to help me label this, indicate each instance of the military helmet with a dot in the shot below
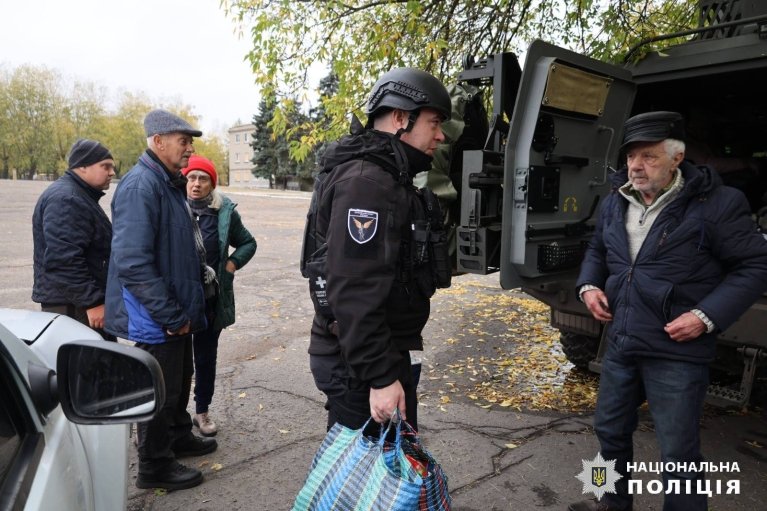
(408, 89)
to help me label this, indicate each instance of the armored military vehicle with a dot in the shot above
(529, 188)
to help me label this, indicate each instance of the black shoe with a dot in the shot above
(174, 476)
(591, 505)
(194, 446)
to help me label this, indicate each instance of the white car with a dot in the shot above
(67, 398)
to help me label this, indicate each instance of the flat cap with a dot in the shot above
(160, 122)
(653, 127)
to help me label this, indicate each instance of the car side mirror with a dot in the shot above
(102, 382)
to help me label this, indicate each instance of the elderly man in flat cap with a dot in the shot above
(675, 259)
(72, 237)
(155, 292)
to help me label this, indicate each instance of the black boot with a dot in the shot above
(192, 445)
(172, 476)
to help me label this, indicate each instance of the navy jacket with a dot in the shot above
(154, 280)
(703, 251)
(72, 236)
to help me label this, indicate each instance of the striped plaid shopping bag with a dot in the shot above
(435, 495)
(351, 472)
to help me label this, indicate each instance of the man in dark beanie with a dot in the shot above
(86, 152)
(155, 292)
(72, 237)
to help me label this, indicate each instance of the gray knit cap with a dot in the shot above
(160, 122)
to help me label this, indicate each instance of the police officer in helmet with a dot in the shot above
(375, 251)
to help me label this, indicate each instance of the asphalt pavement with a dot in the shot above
(271, 416)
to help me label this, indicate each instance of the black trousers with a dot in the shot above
(172, 423)
(348, 399)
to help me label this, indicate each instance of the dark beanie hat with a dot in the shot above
(86, 152)
(653, 127)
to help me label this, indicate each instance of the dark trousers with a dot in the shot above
(76, 313)
(348, 399)
(675, 391)
(172, 423)
(205, 353)
(416, 371)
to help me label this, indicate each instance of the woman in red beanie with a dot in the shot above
(215, 213)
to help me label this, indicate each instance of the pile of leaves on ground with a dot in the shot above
(502, 352)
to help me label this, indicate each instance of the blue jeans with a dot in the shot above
(205, 354)
(675, 391)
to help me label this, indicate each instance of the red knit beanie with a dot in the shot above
(203, 164)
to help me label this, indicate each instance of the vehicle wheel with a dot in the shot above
(579, 349)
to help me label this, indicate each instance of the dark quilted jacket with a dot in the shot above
(703, 251)
(72, 237)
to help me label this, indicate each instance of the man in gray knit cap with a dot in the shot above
(155, 293)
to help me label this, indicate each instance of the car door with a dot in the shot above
(102, 447)
(564, 136)
(67, 398)
(42, 462)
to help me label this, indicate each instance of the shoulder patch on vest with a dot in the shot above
(362, 224)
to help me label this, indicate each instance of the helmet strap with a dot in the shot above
(411, 118)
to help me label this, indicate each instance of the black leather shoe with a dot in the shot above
(194, 446)
(174, 476)
(591, 505)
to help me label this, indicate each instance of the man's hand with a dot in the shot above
(596, 301)
(384, 401)
(685, 328)
(96, 316)
(181, 331)
(230, 266)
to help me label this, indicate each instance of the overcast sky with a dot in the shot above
(182, 50)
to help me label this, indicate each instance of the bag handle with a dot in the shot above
(395, 419)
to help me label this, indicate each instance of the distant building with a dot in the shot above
(240, 154)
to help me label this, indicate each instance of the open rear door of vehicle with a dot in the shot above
(564, 137)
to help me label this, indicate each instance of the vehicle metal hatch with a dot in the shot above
(564, 137)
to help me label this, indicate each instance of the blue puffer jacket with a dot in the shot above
(703, 251)
(154, 281)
